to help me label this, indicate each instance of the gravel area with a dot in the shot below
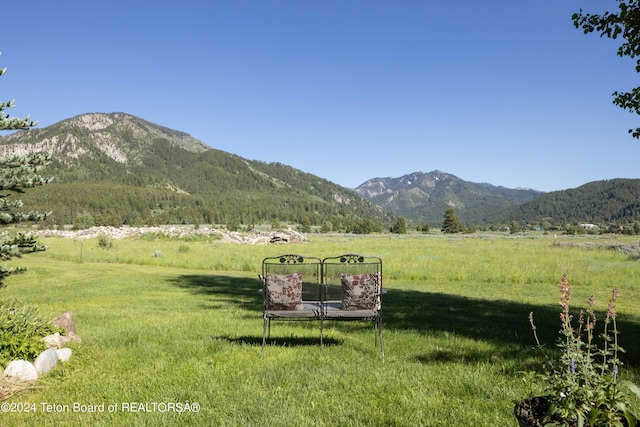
(225, 236)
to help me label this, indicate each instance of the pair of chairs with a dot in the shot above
(345, 287)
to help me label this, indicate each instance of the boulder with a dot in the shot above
(64, 354)
(58, 341)
(55, 340)
(65, 321)
(47, 360)
(22, 370)
(73, 337)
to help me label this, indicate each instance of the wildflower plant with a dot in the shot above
(583, 384)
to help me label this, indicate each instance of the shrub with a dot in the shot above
(21, 331)
(583, 385)
(82, 222)
(104, 241)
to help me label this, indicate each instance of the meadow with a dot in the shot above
(172, 328)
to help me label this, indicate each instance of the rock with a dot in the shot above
(64, 354)
(65, 321)
(73, 337)
(58, 341)
(226, 236)
(22, 370)
(54, 340)
(47, 360)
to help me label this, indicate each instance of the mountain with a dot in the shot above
(424, 197)
(114, 169)
(119, 136)
(119, 169)
(615, 201)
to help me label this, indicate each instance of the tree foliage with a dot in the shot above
(400, 227)
(169, 185)
(625, 24)
(17, 174)
(452, 223)
(615, 201)
(363, 226)
(12, 123)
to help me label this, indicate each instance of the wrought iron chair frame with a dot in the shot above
(322, 302)
(311, 290)
(332, 307)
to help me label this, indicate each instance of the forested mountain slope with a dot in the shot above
(116, 169)
(599, 202)
(119, 169)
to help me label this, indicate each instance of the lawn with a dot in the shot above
(171, 331)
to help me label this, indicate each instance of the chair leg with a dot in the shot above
(264, 333)
(321, 344)
(379, 321)
(375, 331)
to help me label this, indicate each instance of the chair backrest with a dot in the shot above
(341, 273)
(293, 267)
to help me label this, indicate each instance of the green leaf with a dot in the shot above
(631, 386)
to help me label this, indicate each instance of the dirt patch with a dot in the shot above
(9, 387)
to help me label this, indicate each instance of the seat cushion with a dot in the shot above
(359, 291)
(284, 292)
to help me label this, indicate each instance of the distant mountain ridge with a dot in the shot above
(613, 201)
(424, 197)
(119, 169)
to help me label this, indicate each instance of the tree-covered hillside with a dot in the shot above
(117, 169)
(599, 202)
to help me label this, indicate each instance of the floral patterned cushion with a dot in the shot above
(359, 291)
(284, 292)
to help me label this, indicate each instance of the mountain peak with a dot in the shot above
(119, 136)
(424, 197)
(91, 121)
(121, 169)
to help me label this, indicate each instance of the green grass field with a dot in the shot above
(175, 339)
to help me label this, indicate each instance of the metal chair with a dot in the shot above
(352, 290)
(291, 289)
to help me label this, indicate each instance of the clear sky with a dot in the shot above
(504, 92)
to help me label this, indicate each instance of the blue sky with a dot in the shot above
(504, 92)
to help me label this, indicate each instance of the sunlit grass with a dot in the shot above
(175, 321)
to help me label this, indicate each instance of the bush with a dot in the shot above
(21, 332)
(104, 241)
(363, 226)
(82, 222)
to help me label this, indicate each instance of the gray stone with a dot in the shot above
(47, 360)
(22, 370)
(64, 354)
